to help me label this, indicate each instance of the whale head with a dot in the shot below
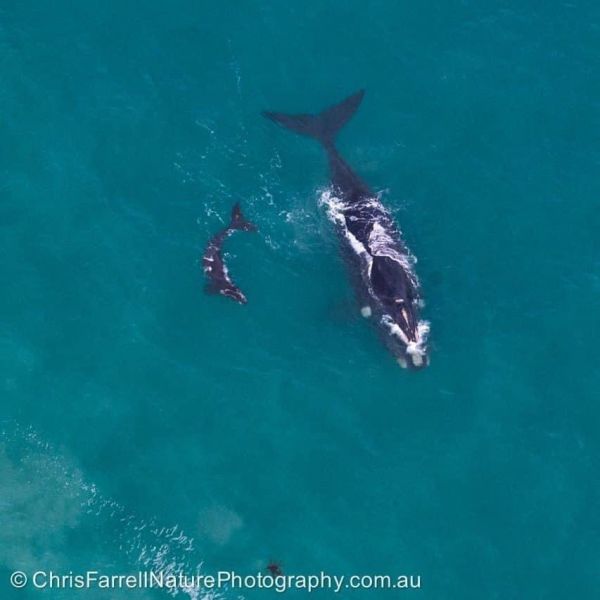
(395, 291)
(406, 336)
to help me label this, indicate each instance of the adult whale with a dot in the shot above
(385, 281)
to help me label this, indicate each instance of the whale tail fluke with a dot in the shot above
(324, 126)
(238, 221)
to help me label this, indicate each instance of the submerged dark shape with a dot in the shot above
(274, 568)
(386, 284)
(215, 269)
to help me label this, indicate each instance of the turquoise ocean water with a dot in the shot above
(282, 430)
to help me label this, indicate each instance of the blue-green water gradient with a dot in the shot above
(282, 430)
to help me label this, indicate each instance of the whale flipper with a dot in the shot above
(324, 126)
(238, 221)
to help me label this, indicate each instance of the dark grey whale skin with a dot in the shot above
(214, 268)
(389, 288)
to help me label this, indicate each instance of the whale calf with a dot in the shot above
(381, 265)
(213, 265)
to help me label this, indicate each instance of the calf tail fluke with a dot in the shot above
(323, 126)
(238, 221)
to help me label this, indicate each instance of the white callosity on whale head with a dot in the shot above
(414, 354)
(394, 328)
(418, 349)
(366, 311)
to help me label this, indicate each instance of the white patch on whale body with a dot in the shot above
(226, 273)
(357, 246)
(382, 243)
(335, 211)
(366, 311)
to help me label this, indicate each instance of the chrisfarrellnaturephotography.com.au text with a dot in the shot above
(222, 580)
